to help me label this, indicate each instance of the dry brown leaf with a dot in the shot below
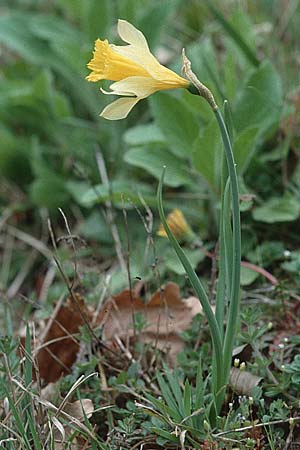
(56, 359)
(242, 382)
(167, 315)
(78, 410)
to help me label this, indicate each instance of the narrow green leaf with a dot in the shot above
(187, 399)
(166, 392)
(165, 410)
(28, 362)
(234, 34)
(165, 434)
(174, 383)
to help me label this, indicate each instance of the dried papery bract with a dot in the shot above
(203, 91)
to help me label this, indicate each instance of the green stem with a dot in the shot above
(200, 291)
(232, 317)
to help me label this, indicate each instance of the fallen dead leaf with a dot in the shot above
(62, 433)
(242, 382)
(167, 315)
(56, 358)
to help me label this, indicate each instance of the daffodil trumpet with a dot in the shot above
(135, 71)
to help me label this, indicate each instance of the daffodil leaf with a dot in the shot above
(152, 160)
(177, 122)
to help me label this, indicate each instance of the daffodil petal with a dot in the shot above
(115, 93)
(119, 109)
(128, 33)
(142, 57)
(145, 59)
(138, 86)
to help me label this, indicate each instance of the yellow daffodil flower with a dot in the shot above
(136, 72)
(178, 226)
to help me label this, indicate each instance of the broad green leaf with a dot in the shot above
(260, 101)
(244, 147)
(207, 154)
(153, 159)
(144, 134)
(176, 121)
(14, 158)
(248, 276)
(95, 228)
(49, 192)
(278, 209)
(173, 263)
(23, 34)
(122, 193)
(293, 265)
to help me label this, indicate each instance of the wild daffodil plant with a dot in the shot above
(136, 74)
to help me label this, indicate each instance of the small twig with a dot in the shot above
(257, 425)
(289, 437)
(22, 274)
(48, 280)
(73, 245)
(101, 299)
(109, 212)
(128, 269)
(6, 259)
(51, 319)
(149, 229)
(30, 240)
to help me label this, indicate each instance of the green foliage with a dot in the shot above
(294, 369)
(180, 407)
(278, 209)
(177, 122)
(152, 159)
(50, 134)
